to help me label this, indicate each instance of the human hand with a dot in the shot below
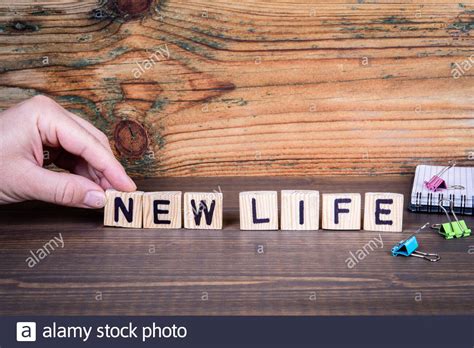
(77, 146)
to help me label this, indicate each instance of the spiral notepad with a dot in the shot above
(426, 201)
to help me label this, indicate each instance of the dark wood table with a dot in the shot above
(113, 271)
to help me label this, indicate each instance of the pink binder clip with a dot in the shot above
(436, 182)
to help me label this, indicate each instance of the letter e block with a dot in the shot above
(258, 210)
(341, 211)
(162, 209)
(123, 209)
(203, 210)
(383, 212)
(299, 210)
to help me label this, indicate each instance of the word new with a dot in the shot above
(299, 210)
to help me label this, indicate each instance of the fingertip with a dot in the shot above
(125, 184)
(94, 199)
(128, 184)
(131, 184)
(118, 178)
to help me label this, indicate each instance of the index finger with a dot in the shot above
(59, 130)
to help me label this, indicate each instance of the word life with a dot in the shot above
(299, 210)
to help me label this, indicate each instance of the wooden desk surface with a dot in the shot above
(109, 271)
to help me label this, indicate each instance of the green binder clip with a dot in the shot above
(451, 229)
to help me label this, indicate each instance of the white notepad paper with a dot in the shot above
(424, 200)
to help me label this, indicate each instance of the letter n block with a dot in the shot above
(258, 210)
(123, 209)
(383, 212)
(162, 209)
(299, 210)
(341, 211)
(203, 210)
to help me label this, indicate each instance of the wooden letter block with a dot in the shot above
(258, 210)
(299, 210)
(203, 210)
(341, 211)
(123, 209)
(383, 212)
(162, 209)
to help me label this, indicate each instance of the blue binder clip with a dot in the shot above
(405, 247)
(409, 246)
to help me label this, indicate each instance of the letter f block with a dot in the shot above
(341, 211)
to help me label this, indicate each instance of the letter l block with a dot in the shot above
(258, 210)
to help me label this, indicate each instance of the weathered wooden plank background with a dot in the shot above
(253, 87)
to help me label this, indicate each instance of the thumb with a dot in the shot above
(65, 189)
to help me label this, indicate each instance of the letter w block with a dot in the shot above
(203, 210)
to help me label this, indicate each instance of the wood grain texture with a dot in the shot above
(342, 215)
(255, 87)
(295, 202)
(389, 211)
(168, 272)
(168, 212)
(129, 203)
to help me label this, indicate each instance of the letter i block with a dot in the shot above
(299, 210)
(123, 209)
(341, 211)
(258, 210)
(383, 212)
(203, 210)
(162, 209)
